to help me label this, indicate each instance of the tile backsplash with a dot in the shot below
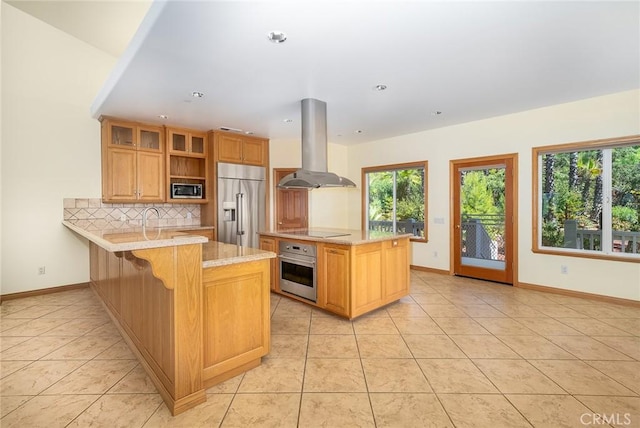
(93, 214)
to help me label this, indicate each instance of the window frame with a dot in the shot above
(537, 153)
(395, 167)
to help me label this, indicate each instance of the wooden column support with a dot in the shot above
(180, 270)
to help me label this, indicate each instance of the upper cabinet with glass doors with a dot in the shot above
(132, 162)
(128, 135)
(185, 142)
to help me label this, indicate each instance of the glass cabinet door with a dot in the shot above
(178, 142)
(122, 136)
(149, 139)
(197, 144)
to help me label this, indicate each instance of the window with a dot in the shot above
(395, 198)
(587, 199)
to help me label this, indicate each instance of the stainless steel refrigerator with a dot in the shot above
(241, 203)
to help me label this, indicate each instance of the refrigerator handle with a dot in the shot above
(240, 215)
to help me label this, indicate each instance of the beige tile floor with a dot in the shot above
(457, 352)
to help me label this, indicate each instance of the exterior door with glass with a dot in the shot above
(484, 223)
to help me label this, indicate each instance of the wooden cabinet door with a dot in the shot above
(150, 177)
(198, 144)
(253, 152)
(335, 278)
(178, 141)
(229, 149)
(269, 244)
(236, 308)
(187, 142)
(367, 278)
(121, 134)
(150, 138)
(120, 175)
(395, 268)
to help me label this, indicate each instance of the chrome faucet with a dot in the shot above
(144, 215)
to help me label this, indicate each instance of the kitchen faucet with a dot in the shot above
(144, 215)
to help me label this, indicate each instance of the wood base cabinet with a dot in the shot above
(236, 318)
(334, 277)
(269, 244)
(190, 327)
(353, 280)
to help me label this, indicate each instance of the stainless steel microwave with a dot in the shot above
(186, 191)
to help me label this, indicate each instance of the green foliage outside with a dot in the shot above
(582, 200)
(482, 196)
(409, 195)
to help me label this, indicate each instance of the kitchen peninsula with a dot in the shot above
(350, 272)
(194, 312)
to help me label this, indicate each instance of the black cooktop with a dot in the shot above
(315, 233)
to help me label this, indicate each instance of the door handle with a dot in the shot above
(457, 226)
(239, 217)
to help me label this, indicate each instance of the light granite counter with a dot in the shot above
(114, 240)
(219, 254)
(213, 253)
(337, 236)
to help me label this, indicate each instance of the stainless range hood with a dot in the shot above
(314, 151)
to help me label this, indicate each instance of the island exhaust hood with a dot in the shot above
(314, 151)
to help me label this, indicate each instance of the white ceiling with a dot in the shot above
(469, 60)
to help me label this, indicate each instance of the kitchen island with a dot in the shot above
(194, 312)
(353, 272)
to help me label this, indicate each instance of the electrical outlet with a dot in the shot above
(564, 269)
(435, 254)
(41, 270)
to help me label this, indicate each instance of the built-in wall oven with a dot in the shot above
(298, 269)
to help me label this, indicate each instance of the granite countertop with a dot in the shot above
(337, 236)
(213, 253)
(219, 254)
(136, 239)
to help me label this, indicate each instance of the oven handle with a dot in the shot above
(298, 261)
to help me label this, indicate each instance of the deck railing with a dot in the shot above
(416, 228)
(483, 236)
(587, 239)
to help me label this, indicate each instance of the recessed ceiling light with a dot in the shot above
(359, 131)
(276, 37)
(163, 116)
(436, 113)
(196, 94)
(380, 88)
(288, 120)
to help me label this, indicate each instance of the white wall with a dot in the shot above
(602, 117)
(328, 207)
(50, 149)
